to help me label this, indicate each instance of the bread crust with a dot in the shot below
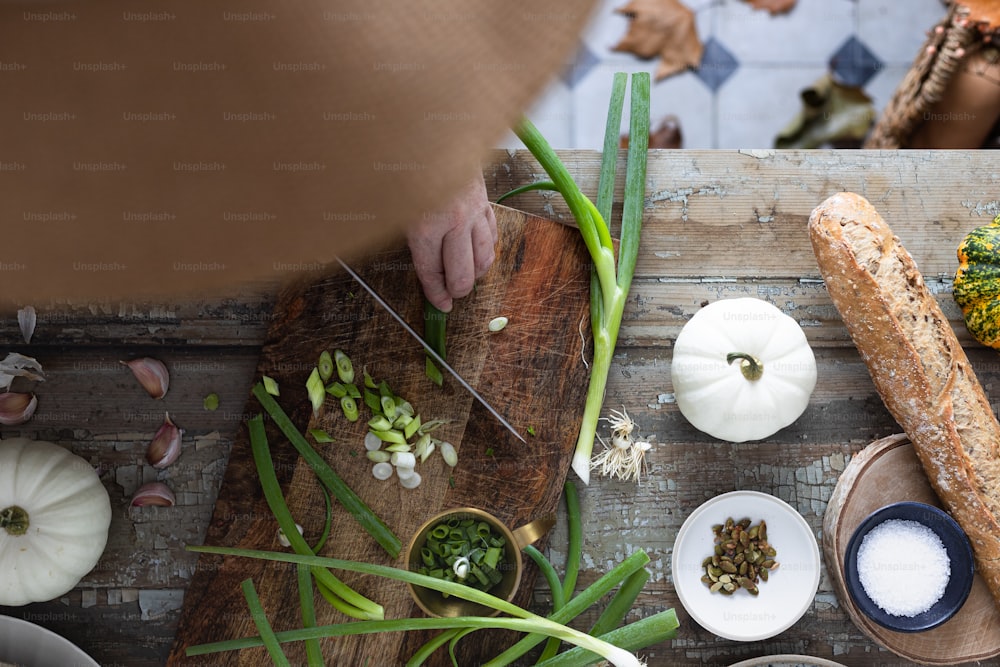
(917, 364)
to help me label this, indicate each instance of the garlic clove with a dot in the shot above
(152, 375)
(156, 494)
(26, 322)
(283, 539)
(166, 444)
(16, 408)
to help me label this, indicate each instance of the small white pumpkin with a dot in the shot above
(54, 520)
(742, 370)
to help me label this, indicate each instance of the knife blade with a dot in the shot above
(428, 348)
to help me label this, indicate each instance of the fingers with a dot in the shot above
(427, 262)
(451, 250)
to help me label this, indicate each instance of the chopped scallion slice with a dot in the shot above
(345, 369)
(325, 365)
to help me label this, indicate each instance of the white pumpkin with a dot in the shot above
(742, 370)
(54, 520)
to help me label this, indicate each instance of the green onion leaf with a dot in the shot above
(267, 636)
(343, 493)
(320, 436)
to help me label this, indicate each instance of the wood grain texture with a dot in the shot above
(532, 372)
(881, 474)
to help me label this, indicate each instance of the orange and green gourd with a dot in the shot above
(977, 283)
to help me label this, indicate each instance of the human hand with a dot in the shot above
(454, 247)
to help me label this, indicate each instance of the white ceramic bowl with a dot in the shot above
(783, 598)
(24, 643)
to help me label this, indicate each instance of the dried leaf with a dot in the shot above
(832, 114)
(773, 6)
(666, 135)
(17, 365)
(664, 29)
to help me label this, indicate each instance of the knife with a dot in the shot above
(428, 348)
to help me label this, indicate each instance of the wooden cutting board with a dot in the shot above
(532, 372)
(885, 472)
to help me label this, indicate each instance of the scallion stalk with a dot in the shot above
(576, 606)
(614, 614)
(555, 586)
(433, 644)
(635, 636)
(523, 620)
(574, 530)
(435, 330)
(614, 282)
(341, 491)
(314, 652)
(357, 605)
(267, 636)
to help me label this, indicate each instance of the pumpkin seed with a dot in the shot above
(741, 557)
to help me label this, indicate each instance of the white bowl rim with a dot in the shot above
(81, 659)
(814, 557)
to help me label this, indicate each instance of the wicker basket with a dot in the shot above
(951, 48)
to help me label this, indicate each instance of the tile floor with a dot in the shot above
(747, 87)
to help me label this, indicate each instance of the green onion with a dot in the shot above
(614, 282)
(369, 381)
(364, 608)
(614, 614)
(352, 390)
(373, 401)
(350, 408)
(432, 645)
(320, 436)
(390, 435)
(435, 327)
(635, 636)
(523, 621)
(577, 605)
(345, 369)
(379, 423)
(411, 427)
(314, 652)
(574, 529)
(325, 365)
(267, 636)
(538, 185)
(211, 402)
(317, 392)
(336, 390)
(388, 407)
(327, 522)
(343, 493)
(270, 385)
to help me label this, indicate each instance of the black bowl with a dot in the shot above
(956, 543)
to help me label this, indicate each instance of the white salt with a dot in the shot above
(903, 567)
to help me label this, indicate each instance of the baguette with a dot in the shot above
(917, 364)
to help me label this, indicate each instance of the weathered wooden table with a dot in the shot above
(718, 224)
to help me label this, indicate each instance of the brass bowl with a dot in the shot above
(433, 603)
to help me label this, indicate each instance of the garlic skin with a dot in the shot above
(283, 539)
(166, 444)
(16, 408)
(152, 374)
(155, 494)
(26, 322)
